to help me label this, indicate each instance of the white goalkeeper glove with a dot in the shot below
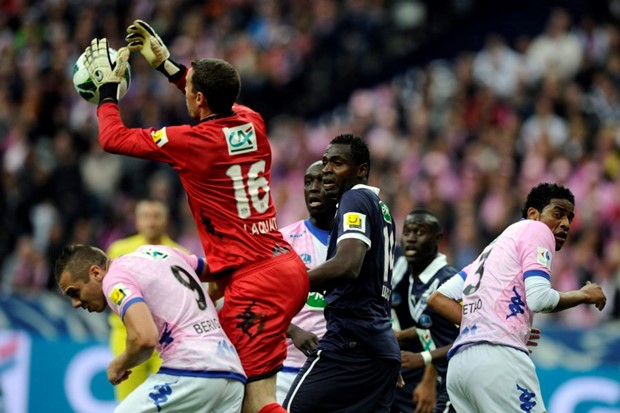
(141, 37)
(105, 73)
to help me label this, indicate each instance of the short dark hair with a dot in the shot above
(434, 219)
(77, 259)
(218, 81)
(541, 195)
(359, 150)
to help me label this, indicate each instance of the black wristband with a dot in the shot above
(175, 76)
(107, 92)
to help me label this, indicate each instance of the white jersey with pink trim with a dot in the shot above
(495, 308)
(310, 243)
(191, 340)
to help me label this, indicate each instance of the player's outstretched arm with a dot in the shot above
(143, 38)
(588, 294)
(446, 307)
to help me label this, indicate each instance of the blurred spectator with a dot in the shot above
(557, 51)
(499, 67)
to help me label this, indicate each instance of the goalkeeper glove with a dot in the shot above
(103, 72)
(142, 37)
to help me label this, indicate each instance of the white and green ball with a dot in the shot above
(87, 89)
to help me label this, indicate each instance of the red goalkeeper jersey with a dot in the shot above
(224, 164)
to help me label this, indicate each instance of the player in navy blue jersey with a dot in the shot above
(356, 365)
(425, 336)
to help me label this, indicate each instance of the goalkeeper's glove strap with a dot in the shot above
(107, 92)
(172, 70)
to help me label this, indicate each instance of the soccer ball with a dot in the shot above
(87, 89)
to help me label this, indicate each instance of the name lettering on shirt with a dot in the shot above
(354, 221)
(469, 308)
(240, 139)
(262, 227)
(160, 137)
(206, 325)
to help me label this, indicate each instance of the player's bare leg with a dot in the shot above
(259, 394)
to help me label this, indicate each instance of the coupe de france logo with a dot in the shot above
(355, 221)
(160, 137)
(544, 257)
(240, 139)
(119, 293)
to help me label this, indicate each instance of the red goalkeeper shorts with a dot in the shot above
(259, 302)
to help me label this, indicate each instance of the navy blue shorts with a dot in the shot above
(333, 383)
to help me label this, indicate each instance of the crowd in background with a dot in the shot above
(466, 137)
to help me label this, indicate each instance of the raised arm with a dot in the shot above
(143, 38)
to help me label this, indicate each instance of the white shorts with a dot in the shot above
(283, 383)
(184, 394)
(491, 378)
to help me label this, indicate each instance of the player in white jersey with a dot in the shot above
(490, 369)
(309, 239)
(157, 293)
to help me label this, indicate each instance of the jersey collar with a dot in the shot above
(438, 263)
(370, 188)
(218, 116)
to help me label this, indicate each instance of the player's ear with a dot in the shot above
(533, 213)
(96, 272)
(201, 100)
(362, 171)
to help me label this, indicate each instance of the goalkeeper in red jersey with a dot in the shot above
(224, 164)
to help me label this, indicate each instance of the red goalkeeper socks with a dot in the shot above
(272, 408)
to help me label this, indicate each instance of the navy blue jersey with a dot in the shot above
(409, 303)
(358, 310)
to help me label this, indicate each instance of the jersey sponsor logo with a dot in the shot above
(166, 336)
(119, 293)
(396, 299)
(316, 300)
(544, 257)
(160, 137)
(354, 221)
(160, 394)
(385, 211)
(241, 139)
(527, 399)
(516, 306)
(152, 253)
(424, 335)
(306, 258)
(467, 330)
